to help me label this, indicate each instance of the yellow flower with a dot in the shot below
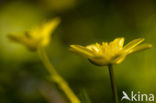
(110, 53)
(37, 37)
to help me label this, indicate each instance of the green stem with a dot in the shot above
(57, 78)
(114, 89)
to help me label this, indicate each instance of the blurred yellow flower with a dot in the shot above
(37, 37)
(109, 53)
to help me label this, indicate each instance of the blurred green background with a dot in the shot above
(23, 78)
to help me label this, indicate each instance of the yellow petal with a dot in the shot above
(19, 38)
(93, 47)
(133, 44)
(115, 46)
(121, 59)
(117, 43)
(23, 39)
(118, 58)
(47, 29)
(99, 61)
(44, 31)
(81, 50)
(140, 48)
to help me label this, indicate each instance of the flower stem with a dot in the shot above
(57, 78)
(114, 89)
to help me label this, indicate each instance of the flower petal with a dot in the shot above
(99, 61)
(119, 59)
(82, 50)
(23, 39)
(117, 43)
(93, 47)
(44, 31)
(47, 29)
(140, 48)
(133, 44)
(115, 47)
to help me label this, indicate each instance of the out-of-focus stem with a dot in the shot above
(112, 79)
(55, 77)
